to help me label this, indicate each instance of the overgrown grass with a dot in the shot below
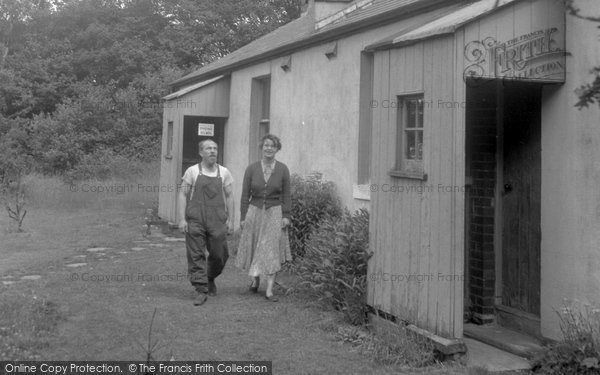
(26, 323)
(137, 187)
(579, 351)
(396, 347)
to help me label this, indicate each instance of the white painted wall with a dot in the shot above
(314, 110)
(570, 248)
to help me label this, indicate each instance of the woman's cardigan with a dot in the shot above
(261, 194)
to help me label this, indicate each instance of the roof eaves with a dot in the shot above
(422, 33)
(189, 89)
(318, 37)
(361, 4)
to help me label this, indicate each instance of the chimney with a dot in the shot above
(320, 9)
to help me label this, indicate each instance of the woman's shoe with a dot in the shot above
(271, 298)
(254, 288)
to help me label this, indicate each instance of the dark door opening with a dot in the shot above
(199, 128)
(520, 198)
(502, 218)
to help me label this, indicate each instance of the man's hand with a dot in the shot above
(285, 222)
(183, 226)
(229, 224)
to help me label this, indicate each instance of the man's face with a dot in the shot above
(209, 152)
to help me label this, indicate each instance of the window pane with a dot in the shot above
(419, 134)
(419, 121)
(411, 107)
(411, 145)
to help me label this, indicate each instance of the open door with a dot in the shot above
(521, 193)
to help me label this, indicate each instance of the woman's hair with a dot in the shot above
(273, 138)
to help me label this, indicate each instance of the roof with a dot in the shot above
(302, 33)
(446, 24)
(191, 88)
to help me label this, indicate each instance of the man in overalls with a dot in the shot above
(206, 211)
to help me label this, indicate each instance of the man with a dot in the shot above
(206, 210)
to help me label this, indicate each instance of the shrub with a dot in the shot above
(312, 201)
(579, 352)
(335, 264)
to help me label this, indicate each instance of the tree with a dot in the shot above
(87, 76)
(588, 93)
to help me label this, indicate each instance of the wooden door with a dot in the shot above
(521, 197)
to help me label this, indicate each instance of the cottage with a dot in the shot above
(453, 121)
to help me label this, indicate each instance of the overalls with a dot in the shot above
(206, 218)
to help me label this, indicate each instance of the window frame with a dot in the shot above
(406, 167)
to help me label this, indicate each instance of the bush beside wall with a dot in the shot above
(313, 200)
(334, 265)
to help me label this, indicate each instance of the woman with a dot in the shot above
(265, 208)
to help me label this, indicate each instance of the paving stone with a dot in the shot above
(493, 359)
(31, 277)
(72, 265)
(174, 239)
(96, 249)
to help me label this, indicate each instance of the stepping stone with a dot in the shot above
(138, 248)
(72, 265)
(174, 239)
(8, 282)
(95, 249)
(31, 277)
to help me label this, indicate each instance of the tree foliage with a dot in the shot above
(588, 93)
(84, 78)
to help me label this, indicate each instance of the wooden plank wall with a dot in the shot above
(419, 235)
(416, 229)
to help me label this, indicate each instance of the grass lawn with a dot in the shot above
(63, 298)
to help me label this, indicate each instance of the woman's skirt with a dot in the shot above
(264, 246)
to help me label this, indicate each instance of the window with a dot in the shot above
(169, 139)
(365, 118)
(260, 110)
(409, 151)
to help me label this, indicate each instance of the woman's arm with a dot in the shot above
(246, 188)
(286, 194)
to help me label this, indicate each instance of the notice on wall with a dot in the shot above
(206, 130)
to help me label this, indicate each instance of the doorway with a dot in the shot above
(199, 128)
(503, 167)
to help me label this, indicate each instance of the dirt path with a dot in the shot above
(108, 295)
